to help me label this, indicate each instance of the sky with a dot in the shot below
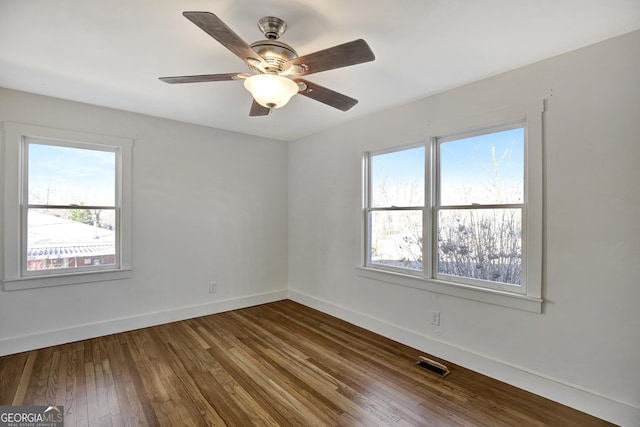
(464, 163)
(65, 175)
(469, 164)
(396, 170)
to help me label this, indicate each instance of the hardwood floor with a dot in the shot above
(274, 364)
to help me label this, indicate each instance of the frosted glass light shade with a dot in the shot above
(271, 90)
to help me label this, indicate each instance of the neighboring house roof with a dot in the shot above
(54, 252)
(52, 237)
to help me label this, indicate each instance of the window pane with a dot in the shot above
(71, 176)
(70, 238)
(396, 238)
(483, 169)
(397, 179)
(483, 244)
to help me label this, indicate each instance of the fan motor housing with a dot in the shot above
(275, 54)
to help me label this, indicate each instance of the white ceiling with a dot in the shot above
(110, 53)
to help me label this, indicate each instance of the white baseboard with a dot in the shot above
(61, 336)
(599, 406)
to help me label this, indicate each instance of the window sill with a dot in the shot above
(489, 296)
(65, 279)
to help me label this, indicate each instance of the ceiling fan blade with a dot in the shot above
(217, 29)
(326, 96)
(205, 78)
(351, 53)
(258, 110)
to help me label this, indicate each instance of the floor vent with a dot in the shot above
(433, 366)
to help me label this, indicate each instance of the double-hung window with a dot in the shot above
(67, 207)
(395, 214)
(460, 212)
(479, 208)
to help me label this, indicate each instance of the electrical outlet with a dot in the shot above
(435, 318)
(213, 287)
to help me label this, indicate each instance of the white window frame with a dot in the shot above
(15, 275)
(527, 297)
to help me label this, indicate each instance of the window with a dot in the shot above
(460, 212)
(69, 207)
(67, 216)
(395, 213)
(479, 208)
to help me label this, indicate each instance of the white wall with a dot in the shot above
(208, 205)
(584, 349)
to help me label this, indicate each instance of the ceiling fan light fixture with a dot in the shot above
(271, 90)
(273, 62)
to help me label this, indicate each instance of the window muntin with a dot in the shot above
(70, 209)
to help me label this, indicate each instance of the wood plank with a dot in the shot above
(91, 391)
(274, 364)
(23, 384)
(81, 410)
(11, 374)
(39, 377)
(61, 386)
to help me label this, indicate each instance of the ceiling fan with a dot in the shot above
(276, 66)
